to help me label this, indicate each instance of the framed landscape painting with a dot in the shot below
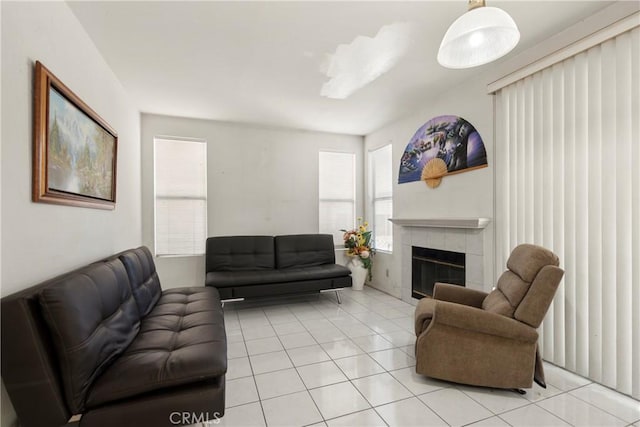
(74, 150)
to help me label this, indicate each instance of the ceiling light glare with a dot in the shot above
(360, 62)
(481, 35)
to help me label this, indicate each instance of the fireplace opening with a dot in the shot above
(432, 265)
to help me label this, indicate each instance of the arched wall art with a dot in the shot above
(444, 145)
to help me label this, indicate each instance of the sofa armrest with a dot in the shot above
(480, 321)
(458, 294)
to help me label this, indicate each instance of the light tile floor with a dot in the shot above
(308, 361)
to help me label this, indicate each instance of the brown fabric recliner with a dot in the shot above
(471, 337)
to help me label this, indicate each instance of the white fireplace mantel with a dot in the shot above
(477, 223)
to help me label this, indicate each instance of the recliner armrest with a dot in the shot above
(481, 321)
(458, 294)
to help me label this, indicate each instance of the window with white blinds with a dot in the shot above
(568, 178)
(381, 191)
(337, 193)
(180, 174)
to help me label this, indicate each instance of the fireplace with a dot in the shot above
(464, 235)
(429, 266)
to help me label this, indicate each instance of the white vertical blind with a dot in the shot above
(381, 190)
(180, 170)
(336, 192)
(568, 178)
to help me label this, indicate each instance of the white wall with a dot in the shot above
(468, 194)
(6, 411)
(261, 180)
(39, 240)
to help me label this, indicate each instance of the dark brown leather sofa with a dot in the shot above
(257, 266)
(105, 342)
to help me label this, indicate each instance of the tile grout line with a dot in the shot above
(528, 402)
(350, 380)
(597, 407)
(253, 376)
(549, 412)
(332, 360)
(297, 372)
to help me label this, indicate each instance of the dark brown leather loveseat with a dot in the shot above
(256, 266)
(105, 342)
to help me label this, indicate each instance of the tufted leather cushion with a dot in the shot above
(93, 318)
(145, 283)
(182, 341)
(304, 250)
(221, 279)
(239, 253)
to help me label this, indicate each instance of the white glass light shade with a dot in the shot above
(478, 37)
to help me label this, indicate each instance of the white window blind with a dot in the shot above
(381, 190)
(180, 196)
(337, 193)
(568, 178)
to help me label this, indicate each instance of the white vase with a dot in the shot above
(358, 273)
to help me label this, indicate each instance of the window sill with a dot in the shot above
(178, 256)
(382, 251)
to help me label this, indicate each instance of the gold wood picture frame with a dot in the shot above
(74, 149)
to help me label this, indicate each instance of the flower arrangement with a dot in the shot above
(358, 243)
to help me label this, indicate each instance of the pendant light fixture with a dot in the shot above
(483, 34)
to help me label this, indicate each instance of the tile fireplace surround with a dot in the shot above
(465, 235)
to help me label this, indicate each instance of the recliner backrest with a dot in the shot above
(531, 279)
(92, 317)
(536, 302)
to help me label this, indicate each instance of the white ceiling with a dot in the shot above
(260, 62)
